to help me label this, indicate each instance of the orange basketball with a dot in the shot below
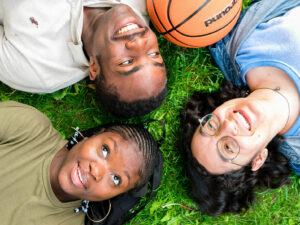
(194, 23)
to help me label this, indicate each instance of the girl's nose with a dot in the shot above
(97, 170)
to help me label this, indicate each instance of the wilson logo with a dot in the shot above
(220, 14)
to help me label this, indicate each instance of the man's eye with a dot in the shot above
(116, 179)
(153, 54)
(105, 151)
(127, 62)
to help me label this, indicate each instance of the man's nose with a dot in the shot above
(97, 170)
(137, 43)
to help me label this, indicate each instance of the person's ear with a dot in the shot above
(259, 160)
(94, 68)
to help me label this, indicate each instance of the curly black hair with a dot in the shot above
(110, 99)
(232, 191)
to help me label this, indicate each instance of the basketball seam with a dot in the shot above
(185, 20)
(213, 31)
(166, 29)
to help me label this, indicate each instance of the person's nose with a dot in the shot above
(229, 127)
(97, 170)
(137, 43)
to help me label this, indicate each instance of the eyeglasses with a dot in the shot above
(227, 146)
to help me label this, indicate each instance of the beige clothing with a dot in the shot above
(28, 143)
(40, 42)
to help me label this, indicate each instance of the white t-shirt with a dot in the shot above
(40, 42)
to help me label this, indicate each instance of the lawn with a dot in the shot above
(189, 70)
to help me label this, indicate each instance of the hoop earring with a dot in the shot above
(76, 134)
(73, 140)
(104, 218)
(84, 208)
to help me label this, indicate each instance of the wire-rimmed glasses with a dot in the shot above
(227, 146)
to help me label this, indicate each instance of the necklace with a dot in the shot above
(277, 90)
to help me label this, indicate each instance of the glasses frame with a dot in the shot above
(216, 133)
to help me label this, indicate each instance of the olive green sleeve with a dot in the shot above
(20, 122)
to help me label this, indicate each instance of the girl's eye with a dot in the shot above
(105, 151)
(153, 54)
(127, 62)
(116, 179)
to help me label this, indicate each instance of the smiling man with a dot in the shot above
(52, 45)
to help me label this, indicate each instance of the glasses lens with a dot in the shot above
(210, 124)
(228, 148)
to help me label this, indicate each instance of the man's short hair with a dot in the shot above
(110, 99)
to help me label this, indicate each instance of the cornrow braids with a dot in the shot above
(232, 191)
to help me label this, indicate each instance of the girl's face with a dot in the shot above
(100, 167)
(246, 121)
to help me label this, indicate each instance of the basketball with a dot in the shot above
(194, 23)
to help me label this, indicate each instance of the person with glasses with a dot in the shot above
(248, 135)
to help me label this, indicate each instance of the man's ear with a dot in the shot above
(259, 160)
(94, 68)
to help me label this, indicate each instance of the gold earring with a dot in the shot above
(99, 221)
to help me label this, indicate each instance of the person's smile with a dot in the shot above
(78, 177)
(243, 119)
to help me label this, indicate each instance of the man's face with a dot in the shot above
(130, 58)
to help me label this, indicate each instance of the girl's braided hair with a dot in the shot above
(232, 191)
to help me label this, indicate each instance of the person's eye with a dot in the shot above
(228, 148)
(212, 126)
(116, 179)
(126, 62)
(154, 54)
(105, 151)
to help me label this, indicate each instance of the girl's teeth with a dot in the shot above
(128, 27)
(79, 174)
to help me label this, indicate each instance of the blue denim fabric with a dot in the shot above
(290, 148)
(224, 52)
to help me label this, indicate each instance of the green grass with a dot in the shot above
(188, 70)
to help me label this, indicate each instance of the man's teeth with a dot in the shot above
(128, 27)
(243, 120)
(79, 174)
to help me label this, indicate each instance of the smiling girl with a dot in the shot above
(42, 182)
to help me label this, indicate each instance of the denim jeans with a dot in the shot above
(290, 148)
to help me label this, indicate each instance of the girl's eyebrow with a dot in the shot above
(115, 145)
(128, 177)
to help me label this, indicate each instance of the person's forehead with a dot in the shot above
(143, 84)
(128, 158)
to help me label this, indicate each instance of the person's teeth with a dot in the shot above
(128, 27)
(79, 174)
(243, 120)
